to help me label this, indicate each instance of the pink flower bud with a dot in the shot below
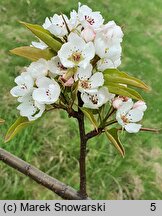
(88, 34)
(117, 102)
(65, 82)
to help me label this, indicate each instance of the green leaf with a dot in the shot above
(44, 35)
(19, 124)
(2, 121)
(116, 76)
(90, 116)
(122, 90)
(113, 137)
(33, 53)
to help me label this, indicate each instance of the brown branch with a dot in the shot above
(94, 133)
(62, 190)
(82, 159)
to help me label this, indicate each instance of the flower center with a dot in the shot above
(85, 84)
(89, 19)
(125, 119)
(94, 98)
(76, 57)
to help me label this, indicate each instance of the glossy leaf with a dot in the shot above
(19, 124)
(122, 90)
(113, 137)
(116, 76)
(44, 35)
(90, 116)
(2, 121)
(33, 53)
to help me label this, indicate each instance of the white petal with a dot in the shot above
(104, 64)
(44, 82)
(141, 105)
(134, 115)
(96, 80)
(47, 23)
(39, 45)
(133, 127)
(27, 109)
(77, 41)
(89, 51)
(100, 46)
(38, 69)
(83, 73)
(25, 85)
(126, 107)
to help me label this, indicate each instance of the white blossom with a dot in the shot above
(24, 83)
(76, 52)
(96, 99)
(88, 82)
(48, 91)
(30, 108)
(112, 32)
(106, 49)
(127, 117)
(56, 25)
(89, 18)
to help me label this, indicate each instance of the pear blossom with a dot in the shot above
(88, 82)
(24, 83)
(112, 32)
(76, 52)
(38, 69)
(89, 18)
(106, 49)
(97, 98)
(127, 117)
(30, 108)
(56, 67)
(48, 91)
(56, 25)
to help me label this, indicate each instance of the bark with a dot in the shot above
(61, 189)
(82, 159)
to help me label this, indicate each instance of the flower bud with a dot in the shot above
(88, 34)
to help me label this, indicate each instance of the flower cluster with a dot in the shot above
(88, 48)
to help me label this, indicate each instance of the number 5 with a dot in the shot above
(153, 207)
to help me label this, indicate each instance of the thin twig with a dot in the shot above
(62, 190)
(151, 130)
